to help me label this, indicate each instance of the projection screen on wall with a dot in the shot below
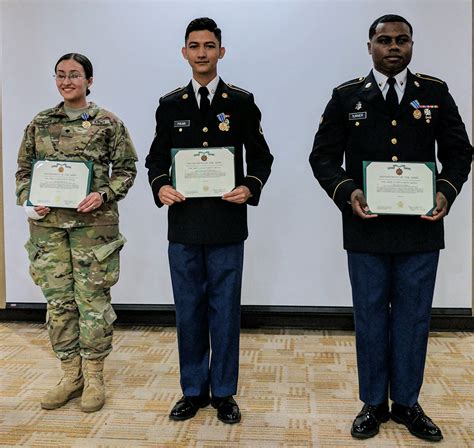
(290, 54)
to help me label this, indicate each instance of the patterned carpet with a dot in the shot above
(297, 389)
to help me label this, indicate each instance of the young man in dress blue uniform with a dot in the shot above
(391, 115)
(206, 235)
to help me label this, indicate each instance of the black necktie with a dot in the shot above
(204, 102)
(392, 98)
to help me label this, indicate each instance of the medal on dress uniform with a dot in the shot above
(416, 105)
(426, 108)
(427, 115)
(86, 124)
(224, 124)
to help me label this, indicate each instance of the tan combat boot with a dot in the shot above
(93, 397)
(69, 387)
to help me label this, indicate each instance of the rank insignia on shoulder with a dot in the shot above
(352, 82)
(429, 78)
(238, 89)
(173, 91)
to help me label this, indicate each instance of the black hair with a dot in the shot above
(201, 24)
(81, 59)
(388, 18)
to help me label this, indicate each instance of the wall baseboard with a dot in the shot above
(253, 316)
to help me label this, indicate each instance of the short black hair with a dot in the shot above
(201, 24)
(388, 18)
(81, 59)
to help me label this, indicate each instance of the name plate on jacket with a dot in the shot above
(401, 188)
(203, 172)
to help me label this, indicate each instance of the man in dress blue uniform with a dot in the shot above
(206, 235)
(391, 115)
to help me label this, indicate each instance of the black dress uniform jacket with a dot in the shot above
(179, 124)
(357, 126)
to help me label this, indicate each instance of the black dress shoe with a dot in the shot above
(417, 422)
(187, 407)
(227, 409)
(368, 420)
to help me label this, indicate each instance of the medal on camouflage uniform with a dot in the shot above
(224, 124)
(86, 124)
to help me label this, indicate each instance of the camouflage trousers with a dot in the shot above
(75, 269)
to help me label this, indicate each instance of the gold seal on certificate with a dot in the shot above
(57, 183)
(400, 188)
(203, 172)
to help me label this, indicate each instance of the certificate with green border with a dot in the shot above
(400, 188)
(59, 183)
(203, 172)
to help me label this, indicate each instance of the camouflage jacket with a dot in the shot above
(52, 135)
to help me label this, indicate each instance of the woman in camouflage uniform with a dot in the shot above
(74, 253)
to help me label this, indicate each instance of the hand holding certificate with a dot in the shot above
(203, 172)
(59, 183)
(400, 188)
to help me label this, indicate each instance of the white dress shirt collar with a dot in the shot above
(212, 86)
(400, 82)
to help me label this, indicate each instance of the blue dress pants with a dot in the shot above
(392, 297)
(207, 283)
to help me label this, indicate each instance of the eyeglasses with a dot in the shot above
(71, 76)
